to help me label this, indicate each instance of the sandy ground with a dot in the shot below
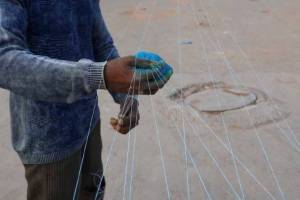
(250, 43)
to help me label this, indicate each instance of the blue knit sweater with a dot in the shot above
(42, 44)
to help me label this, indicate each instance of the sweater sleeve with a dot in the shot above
(104, 47)
(39, 77)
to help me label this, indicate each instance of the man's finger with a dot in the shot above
(154, 75)
(130, 120)
(120, 130)
(153, 86)
(144, 75)
(129, 60)
(145, 64)
(141, 86)
(148, 92)
(165, 76)
(144, 92)
(132, 61)
(147, 70)
(156, 84)
(113, 121)
(127, 126)
(124, 125)
(125, 130)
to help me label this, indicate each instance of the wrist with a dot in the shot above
(96, 78)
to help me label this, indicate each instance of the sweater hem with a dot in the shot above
(49, 158)
(46, 158)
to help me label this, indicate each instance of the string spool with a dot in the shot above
(164, 70)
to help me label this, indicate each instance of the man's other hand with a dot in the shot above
(128, 117)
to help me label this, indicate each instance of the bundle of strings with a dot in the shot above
(162, 74)
(161, 71)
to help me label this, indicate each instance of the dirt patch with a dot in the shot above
(181, 2)
(143, 14)
(139, 14)
(265, 11)
(204, 24)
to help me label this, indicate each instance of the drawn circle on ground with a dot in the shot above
(205, 101)
(218, 97)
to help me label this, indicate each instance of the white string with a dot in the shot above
(228, 138)
(182, 139)
(249, 172)
(256, 179)
(114, 137)
(220, 103)
(133, 154)
(106, 164)
(228, 149)
(230, 69)
(126, 165)
(132, 167)
(184, 142)
(122, 111)
(210, 154)
(193, 162)
(128, 149)
(181, 83)
(129, 137)
(160, 147)
(89, 129)
(260, 82)
(85, 147)
(216, 163)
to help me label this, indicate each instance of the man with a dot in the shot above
(53, 57)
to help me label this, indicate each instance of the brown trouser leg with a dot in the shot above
(57, 181)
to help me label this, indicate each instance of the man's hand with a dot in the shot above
(128, 117)
(120, 76)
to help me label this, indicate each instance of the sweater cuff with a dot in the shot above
(96, 75)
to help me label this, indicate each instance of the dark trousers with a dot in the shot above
(57, 181)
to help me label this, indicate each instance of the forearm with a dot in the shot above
(46, 79)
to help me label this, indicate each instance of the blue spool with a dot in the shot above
(165, 70)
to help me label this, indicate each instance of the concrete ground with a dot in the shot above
(250, 152)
